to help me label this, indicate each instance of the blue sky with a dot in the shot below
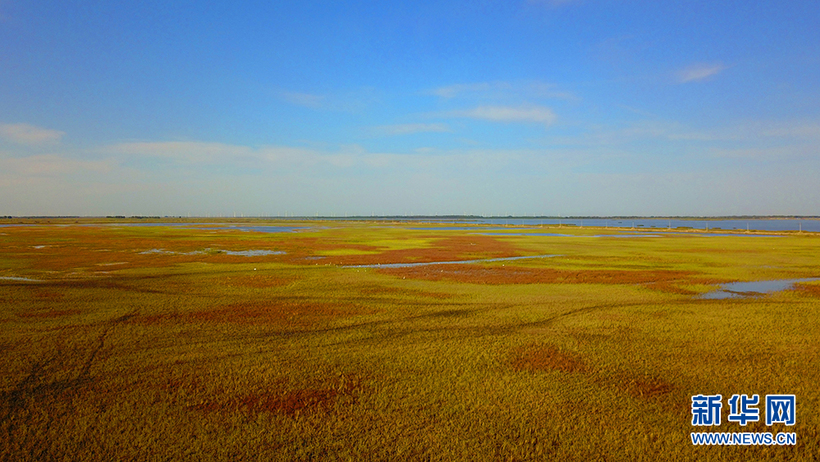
(523, 107)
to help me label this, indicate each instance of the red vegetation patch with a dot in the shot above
(44, 294)
(290, 402)
(495, 274)
(102, 248)
(812, 290)
(538, 357)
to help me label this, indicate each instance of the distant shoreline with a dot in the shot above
(413, 217)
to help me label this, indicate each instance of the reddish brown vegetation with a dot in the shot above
(483, 274)
(290, 402)
(541, 357)
(812, 290)
(103, 249)
(43, 294)
(537, 357)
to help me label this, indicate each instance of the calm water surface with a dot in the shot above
(809, 225)
(752, 289)
(456, 262)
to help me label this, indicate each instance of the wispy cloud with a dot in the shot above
(203, 154)
(51, 165)
(302, 99)
(408, 129)
(501, 91)
(782, 154)
(351, 101)
(211, 175)
(525, 114)
(698, 72)
(187, 151)
(451, 91)
(29, 134)
(807, 129)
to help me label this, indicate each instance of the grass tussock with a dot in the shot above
(537, 357)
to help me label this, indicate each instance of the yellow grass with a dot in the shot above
(117, 353)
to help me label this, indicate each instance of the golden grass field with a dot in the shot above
(153, 343)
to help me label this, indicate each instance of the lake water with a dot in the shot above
(680, 233)
(220, 226)
(206, 226)
(503, 233)
(751, 289)
(456, 262)
(752, 224)
(240, 253)
(812, 225)
(14, 278)
(252, 253)
(514, 233)
(259, 228)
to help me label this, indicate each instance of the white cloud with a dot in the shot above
(272, 158)
(698, 72)
(759, 140)
(53, 165)
(520, 90)
(810, 130)
(29, 134)
(353, 101)
(188, 151)
(775, 153)
(408, 129)
(526, 114)
(303, 99)
(352, 179)
(451, 91)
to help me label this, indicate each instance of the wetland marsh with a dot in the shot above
(343, 340)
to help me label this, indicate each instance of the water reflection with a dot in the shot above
(455, 262)
(753, 289)
(751, 224)
(240, 253)
(15, 278)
